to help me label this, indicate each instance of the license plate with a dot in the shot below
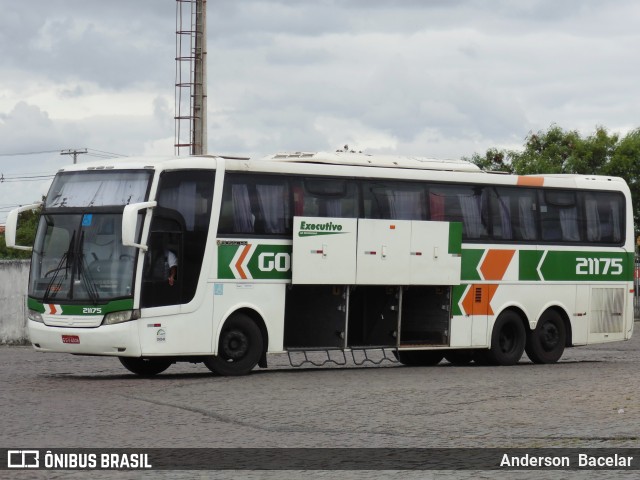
(70, 339)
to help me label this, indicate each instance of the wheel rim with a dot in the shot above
(235, 345)
(549, 336)
(507, 340)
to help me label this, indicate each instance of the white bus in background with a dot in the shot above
(326, 252)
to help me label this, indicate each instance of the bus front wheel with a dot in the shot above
(546, 343)
(145, 367)
(240, 347)
(508, 339)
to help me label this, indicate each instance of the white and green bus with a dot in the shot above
(331, 252)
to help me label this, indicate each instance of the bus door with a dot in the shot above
(162, 283)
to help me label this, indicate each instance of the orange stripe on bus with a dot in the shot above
(477, 301)
(530, 181)
(496, 263)
(244, 253)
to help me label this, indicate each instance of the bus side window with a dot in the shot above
(603, 217)
(395, 200)
(559, 216)
(187, 195)
(236, 215)
(461, 203)
(514, 214)
(274, 207)
(255, 204)
(325, 197)
(501, 225)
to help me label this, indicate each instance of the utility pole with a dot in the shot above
(200, 81)
(191, 77)
(75, 153)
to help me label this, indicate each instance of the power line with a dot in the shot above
(70, 151)
(107, 153)
(15, 154)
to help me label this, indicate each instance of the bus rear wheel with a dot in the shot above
(240, 347)
(546, 343)
(145, 367)
(508, 339)
(419, 358)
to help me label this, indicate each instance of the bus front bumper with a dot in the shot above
(114, 340)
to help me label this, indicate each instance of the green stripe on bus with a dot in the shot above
(260, 262)
(470, 261)
(528, 264)
(102, 308)
(455, 238)
(457, 292)
(582, 266)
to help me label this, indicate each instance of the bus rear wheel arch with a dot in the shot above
(508, 339)
(240, 347)
(545, 344)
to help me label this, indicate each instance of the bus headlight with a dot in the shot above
(120, 317)
(35, 316)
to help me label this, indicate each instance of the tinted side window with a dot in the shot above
(559, 216)
(179, 228)
(325, 197)
(604, 217)
(514, 213)
(255, 205)
(461, 203)
(394, 200)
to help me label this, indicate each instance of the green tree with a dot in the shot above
(27, 224)
(625, 163)
(559, 151)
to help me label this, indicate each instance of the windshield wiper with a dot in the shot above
(85, 274)
(63, 264)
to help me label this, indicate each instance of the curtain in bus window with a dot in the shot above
(243, 219)
(504, 210)
(593, 220)
(569, 224)
(406, 205)
(298, 200)
(181, 198)
(527, 219)
(436, 206)
(79, 193)
(333, 207)
(472, 220)
(615, 220)
(124, 192)
(274, 207)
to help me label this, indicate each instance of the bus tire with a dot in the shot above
(239, 349)
(546, 343)
(508, 339)
(459, 357)
(145, 367)
(419, 358)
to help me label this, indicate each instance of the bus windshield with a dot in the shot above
(98, 188)
(78, 255)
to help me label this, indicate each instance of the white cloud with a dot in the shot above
(437, 78)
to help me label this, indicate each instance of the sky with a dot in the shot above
(434, 78)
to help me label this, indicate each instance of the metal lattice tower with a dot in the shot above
(191, 77)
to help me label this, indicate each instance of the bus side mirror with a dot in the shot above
(11, 227)
(130, 224)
